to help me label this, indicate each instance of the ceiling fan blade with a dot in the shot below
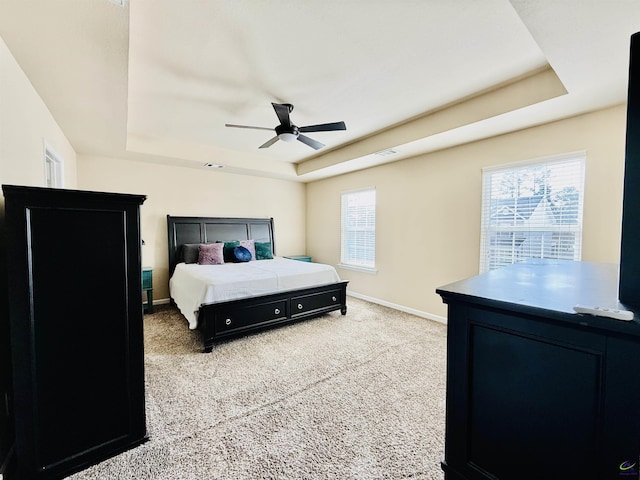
(282, 111)
(311, 142)
(247, 126)
(270, 142)
(324, 127)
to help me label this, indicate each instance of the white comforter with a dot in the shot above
(193, 285)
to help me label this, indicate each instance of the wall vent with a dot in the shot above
(384, 153)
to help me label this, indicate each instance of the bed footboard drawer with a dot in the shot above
(315, 301)
(237, 318)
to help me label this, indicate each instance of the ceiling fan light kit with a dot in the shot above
(288, 132)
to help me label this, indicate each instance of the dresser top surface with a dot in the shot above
(550, 288)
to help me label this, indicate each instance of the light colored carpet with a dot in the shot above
(353, 397)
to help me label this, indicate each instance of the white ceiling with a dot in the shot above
(156, 80)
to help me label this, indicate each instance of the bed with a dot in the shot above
(301, 290)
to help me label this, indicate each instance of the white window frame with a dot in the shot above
(488, 229)
(365, 259)
(53, 168)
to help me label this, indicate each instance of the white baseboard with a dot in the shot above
(402, 308)
(157, 301)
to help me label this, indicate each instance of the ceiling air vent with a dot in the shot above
(384, 153)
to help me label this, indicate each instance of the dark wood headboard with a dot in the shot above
(183, 230)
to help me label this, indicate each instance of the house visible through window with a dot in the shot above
(53, 168)
(532, 210)
(358, 230)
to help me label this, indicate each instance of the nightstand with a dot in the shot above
(147, 286)
(300, 258)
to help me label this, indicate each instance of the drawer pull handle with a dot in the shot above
(277, 311)
(300, 307)
(228, 321)
(334, 298)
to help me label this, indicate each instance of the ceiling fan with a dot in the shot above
(288, 132)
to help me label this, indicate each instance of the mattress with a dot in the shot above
(193, 285)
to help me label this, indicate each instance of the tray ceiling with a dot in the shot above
(157, 81)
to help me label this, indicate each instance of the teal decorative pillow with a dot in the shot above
(263, 250)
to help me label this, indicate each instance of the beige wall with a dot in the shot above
(25, 125)
(192, 192)
(428, 207)
(428, 216)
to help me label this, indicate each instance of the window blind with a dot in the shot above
(532, 210)
(358, 228)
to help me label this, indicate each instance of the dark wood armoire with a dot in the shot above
(76, 332)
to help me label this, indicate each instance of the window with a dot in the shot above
(53, 168)
(358, 230)
(532, 210)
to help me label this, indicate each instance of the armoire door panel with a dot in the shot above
(68, 371)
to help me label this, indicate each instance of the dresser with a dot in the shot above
(535, 391)
(74, 290)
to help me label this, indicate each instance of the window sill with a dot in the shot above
(358, 269)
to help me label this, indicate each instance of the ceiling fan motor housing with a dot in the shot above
(287, 132)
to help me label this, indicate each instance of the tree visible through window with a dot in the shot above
(358, 229)
(532, 210)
